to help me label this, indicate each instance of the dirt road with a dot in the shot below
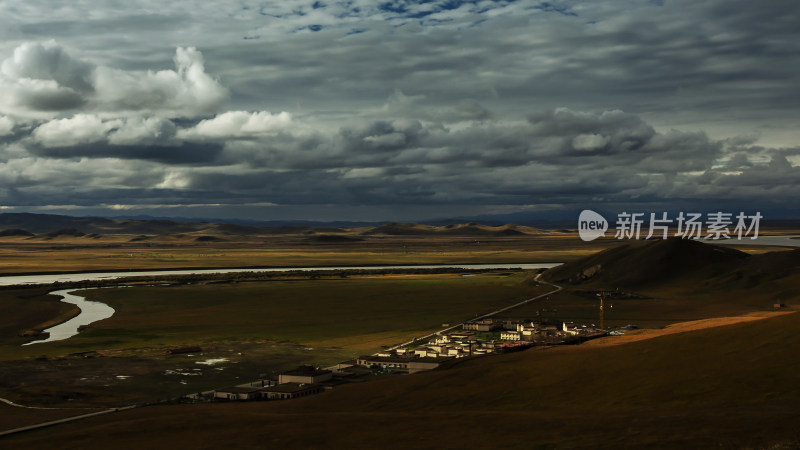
(683, 327)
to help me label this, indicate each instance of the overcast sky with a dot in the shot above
(404, 110)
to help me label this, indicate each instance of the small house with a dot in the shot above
(287, 391)
(305, 375)
(238, 393)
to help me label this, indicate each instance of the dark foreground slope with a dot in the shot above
(733, 386)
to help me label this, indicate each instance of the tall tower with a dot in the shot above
(602, 312)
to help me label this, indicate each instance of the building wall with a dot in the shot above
(235, 395)
(304, 379)
(289, 395)
(512, 336)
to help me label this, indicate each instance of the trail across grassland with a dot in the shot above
(682, 327)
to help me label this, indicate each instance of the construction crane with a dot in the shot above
(602, 312)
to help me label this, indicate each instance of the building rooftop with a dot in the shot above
(389, 359)
(306, 371)
(288, 388)
(432, 360)
(403, 359)
(240, 389)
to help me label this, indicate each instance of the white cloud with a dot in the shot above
(79, 129)
(363, 172)
(589, 141)
(174, 180)
(239, 124)
(6, 125)
(142, 130)
(43, 79)
(92, 128)
(387, 140)
(186, 91)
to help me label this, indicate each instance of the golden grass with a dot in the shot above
(115, 253)
(683, 327)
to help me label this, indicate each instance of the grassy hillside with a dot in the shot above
(648, 263)
(733, 386)
(652, 284)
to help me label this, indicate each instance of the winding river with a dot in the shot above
(786, 240)
(98, 276)
(94, 311)
(90, 312)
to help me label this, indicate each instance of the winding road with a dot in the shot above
(484, 316)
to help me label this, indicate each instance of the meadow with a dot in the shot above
(109, 253)
(362, 312)
(256, 327)
(631, 394)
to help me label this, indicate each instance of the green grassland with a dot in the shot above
(258, 327)
(348, 312)
(726, 387)
(730, 386)
(24, 309)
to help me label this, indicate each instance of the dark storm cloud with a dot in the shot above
(430, 104)
(683, 56)
(559, 155)
(184, 153)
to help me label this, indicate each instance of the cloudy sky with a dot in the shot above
(398, 110)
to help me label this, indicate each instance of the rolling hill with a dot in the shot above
(61, 233)
(8, 232)
(46, 223)
(49, 226)
(467, 229)
(659, 262)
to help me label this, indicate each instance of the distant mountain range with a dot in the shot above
(50, 226)
(30, 224)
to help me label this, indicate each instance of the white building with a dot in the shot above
(510, 336)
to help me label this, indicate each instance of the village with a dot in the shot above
(469, 340)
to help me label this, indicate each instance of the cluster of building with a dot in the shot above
(402, 362)
(475, 338)
(488, 336)
(301, 382)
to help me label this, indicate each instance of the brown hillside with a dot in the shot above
(64, 232)
(467, 229)
(15, 232)
(649, 263)
(773, 268)
(401, 229)
(726, 387)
